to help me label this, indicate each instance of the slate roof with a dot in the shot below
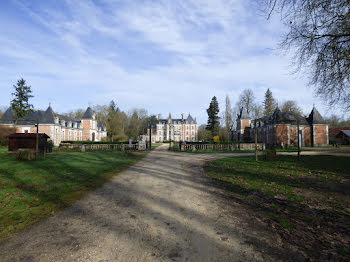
(243, 114)
(9, 114)
(88, 114)
(100, 125)
(27, 135)
(44, 117)
(188, 120)
(346, 132)
(315, 117)
(286, 117)
(335, 131)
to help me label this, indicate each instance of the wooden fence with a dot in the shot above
(222, 147)
(95, 147)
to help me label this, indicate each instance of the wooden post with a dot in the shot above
(37, 139)
(298, 140)
(150, 136)
(256, 141)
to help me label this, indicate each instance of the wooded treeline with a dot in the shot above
(120, 125)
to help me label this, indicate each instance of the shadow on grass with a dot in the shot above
(52, 184)
(302, 224)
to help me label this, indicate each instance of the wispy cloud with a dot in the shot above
(165, 56)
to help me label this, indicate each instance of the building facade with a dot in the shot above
(178, 129)
(58, 127)
(281, 128)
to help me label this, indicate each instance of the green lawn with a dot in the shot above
(307, 202)
(32, 190)
(3, 149)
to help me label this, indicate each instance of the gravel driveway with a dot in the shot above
(164, 208)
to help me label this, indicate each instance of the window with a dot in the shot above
(192, 132)
(186, 127)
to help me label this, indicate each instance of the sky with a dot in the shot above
(167, 56)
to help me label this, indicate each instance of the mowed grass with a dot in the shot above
(3, 149)
(307, 202)
(32, 190)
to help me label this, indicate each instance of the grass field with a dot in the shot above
(307, 202)
(32, 190)
(3, 149)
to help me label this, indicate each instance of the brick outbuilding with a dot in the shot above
(281, 128)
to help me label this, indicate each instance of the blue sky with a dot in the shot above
(161, 55)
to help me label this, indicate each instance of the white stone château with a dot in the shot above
(175, 129)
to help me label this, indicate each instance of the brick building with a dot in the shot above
(58, 127)
(282, 127)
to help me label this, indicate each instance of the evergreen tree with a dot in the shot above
(213, 118)
(116, 123)
(20, 104)
(113, 107)
(269, 103)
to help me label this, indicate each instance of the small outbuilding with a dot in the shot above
(27, 141)
(343, 138)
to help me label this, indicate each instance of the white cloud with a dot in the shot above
(212, 48)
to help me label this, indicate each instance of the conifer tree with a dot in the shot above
(20, 104)
(213, 118)
(269, 103)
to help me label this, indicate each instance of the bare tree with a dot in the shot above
(228, 113)
(204, 134)
(291, 105)
(246, 100)
(2, 110)
(319, 33)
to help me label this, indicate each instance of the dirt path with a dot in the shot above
(162, 209)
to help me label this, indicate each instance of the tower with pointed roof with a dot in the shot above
(243, 121)
(319, 128)
(281, 128)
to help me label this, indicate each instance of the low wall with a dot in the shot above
(222, 147)
(93, 147)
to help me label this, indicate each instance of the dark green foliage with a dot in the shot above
(20, 104)
(5, 131)
(269, 103)
(113, 107)
(213, 118)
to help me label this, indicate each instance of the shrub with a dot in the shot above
(5, 131)
(270, 154)
(25, 154)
